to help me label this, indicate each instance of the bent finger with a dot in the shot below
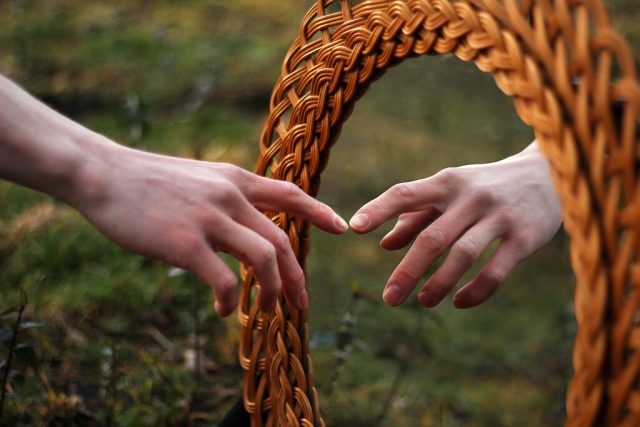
(215, 272)
(282, 196)
(291, 273)
(254, 250)
(491, 276)
(464, 252)
(427, 248)
(407, 228)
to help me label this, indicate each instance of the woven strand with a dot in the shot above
(536, 50)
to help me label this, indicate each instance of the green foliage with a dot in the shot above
(109, 338)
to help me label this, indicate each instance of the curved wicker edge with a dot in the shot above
(535, 49)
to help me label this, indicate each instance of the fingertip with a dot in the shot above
(475, 292)
(340, 223)
(390, 243)
(384, 242)
(462, 301)
(223, 310)
(303, 300)
(427, 299)
(359, 222)
(392, 295)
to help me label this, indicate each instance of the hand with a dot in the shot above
(175, 210)
(184, 211)
(464, 209)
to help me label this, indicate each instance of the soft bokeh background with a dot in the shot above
(109, 338)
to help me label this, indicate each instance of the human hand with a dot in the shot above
(184, 211)
(176, 210)
(464, 209)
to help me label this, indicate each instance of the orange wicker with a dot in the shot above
(536, 49)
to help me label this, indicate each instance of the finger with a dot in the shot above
(291, 273)
(464, 252)
(428, 246)
(412, 196)
(282, 196)
(407, 227)
(504, 259)
(254, 250)
(210, 268)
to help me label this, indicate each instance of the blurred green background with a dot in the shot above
(109, 338)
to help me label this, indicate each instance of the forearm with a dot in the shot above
(42, 149)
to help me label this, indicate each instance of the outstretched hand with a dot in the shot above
(184, 211)
(176, 210)
(464, 209)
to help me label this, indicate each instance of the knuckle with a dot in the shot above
(183, 250)
(506, 216)
(289, 190)
(467, 250)
(404, 190)
(494, 277)
(264, 254)
(407, 273)
(374, 208)
(523, 243)
(234, 171)
(481, 195)
(281, 241)
(208, 217)
(226, 191)
(447, 177)
(298, 279)
(189, 244)
(227, 283)
(432, 240)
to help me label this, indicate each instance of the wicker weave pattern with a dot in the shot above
(536, 49)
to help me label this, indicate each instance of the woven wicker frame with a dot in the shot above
(536, 50)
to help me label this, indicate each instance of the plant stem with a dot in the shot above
(7, 368)
(112, 385)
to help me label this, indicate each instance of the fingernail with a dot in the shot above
(392, 294)
(359, 221)
(303, 300)
(341, 223)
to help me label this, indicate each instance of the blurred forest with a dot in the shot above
(105, 338)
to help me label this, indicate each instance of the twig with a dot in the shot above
(403, 357)
(7, 368)
(197, 347)
(386, 406)
(111, 388)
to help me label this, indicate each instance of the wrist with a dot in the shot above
(96, 159)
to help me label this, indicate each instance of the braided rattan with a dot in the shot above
(537, 50)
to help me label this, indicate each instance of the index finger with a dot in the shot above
(405, 197)
(283, 196)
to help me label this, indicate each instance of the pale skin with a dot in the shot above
(179, 211)
(184, 212)
(463, 210)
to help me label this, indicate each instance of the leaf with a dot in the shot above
(32, 325)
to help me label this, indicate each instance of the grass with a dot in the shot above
(193, 78)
